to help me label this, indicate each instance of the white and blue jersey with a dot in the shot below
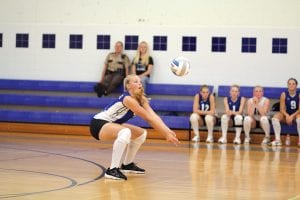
(204, 104)
(291, 102)
(116, 112)
(234, 105)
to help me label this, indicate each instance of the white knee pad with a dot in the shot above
(265, 125)
(247, 126)
(209, 119)
(210, 125)
(275, 121)
(238, 120)
(247, 120)
(277, 128)
(124, 135)
(224, 118)
(298, 121)
(194, 117)
(141, 139)
(264, 120)
(224, 126)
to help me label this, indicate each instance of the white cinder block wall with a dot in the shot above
(263, 19)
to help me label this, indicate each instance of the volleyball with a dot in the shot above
(180, 66)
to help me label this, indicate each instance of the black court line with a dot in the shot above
(74, 182)
(188, 145)
(72, 157)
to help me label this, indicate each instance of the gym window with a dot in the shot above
(131, 42)
(249, 45)
(189, 43)
(49, 41)
(218, 44)
(279, 45)
(103, 41)
(22, 40)
(160, 43)
(76, 41)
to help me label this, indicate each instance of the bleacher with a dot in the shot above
(247, 91)
(69, 102)
(75, 103)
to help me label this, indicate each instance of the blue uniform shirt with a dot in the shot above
(291, 103)
(204, 104)
(234, 105)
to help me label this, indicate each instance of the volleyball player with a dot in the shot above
(110, 124)
(234, 106)
(257, 112)
(203, 113)
(289, 110)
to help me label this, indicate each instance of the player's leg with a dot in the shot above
(298, 128)
(238, 121)
(121, 136)
(249, 123)
(224, 126)
(195, 119)
(210, 122)
(138, 137)
(277, 118)
(265, 125)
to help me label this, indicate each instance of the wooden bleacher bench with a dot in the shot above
(247, 91)
(173, 111)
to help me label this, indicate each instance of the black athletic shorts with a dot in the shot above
(95, 127)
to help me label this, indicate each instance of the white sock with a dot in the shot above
(247, 126)
(277, 128)
(194, 118)
(265, 125)
(209, 120)
(298, 127)
(238, 121)
(133, 147)
(224, 125)
(119, 147)
(238, 131)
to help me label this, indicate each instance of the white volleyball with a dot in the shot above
(180, 66)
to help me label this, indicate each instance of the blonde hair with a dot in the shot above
(145, 57)
(140, 97)
(258, 87)
(126, 81)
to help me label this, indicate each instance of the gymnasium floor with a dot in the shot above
(45, 166)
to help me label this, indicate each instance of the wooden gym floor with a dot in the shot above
(47, 166)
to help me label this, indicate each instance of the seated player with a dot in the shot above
(203, 113)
